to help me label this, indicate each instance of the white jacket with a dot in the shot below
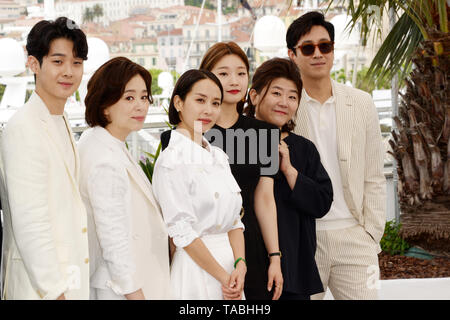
(45, 226)
(360, 155)
(128, 240)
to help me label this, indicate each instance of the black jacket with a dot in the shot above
(297, 211)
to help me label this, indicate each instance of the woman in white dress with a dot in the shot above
(199, 197)
(128, 239)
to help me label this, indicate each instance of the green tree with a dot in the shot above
(155, 73)
(88, 15)
(198, 3)
(361, 80)
(97, 11)
(415, 22)
(2, 90)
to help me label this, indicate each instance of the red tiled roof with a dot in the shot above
(173, 32)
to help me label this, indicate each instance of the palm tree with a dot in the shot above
(415, 19)
(97, 11)
(88, 15)
(418, 46)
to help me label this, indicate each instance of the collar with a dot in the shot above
(189, 152)
(182, 141)
(331, 99)
(107, 137)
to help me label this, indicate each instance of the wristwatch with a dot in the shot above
(275, 254)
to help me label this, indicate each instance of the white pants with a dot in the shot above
(347, 260)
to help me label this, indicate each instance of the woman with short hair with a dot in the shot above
(128, 240)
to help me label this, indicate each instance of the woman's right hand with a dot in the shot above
(229, 292)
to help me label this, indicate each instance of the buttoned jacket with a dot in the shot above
(45, 227)
(360, 155)
(128, 239)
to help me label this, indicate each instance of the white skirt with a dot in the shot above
(191, 282)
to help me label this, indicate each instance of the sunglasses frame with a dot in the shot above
(316, 45)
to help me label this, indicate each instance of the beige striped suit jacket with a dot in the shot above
(360, 154)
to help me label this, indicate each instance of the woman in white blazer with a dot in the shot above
(128, 240)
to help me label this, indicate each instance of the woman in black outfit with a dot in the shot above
(303, 190)
(254, 173)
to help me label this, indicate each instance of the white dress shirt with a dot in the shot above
(322, 121)
(196, 190)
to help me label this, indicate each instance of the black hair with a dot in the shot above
(303, 24)
(184, 86)
(265, 74)
(44, 32)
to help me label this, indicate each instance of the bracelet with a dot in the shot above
(275, 254)
(239, 259)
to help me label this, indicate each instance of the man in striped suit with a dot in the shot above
(343, 124)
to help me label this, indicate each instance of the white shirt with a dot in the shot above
(65, 141)
(322, 123)
(196, 190)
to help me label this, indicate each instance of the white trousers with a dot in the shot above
(347, 260)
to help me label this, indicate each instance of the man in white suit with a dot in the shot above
(46, 252)
(343, 124)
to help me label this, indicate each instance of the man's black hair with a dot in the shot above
(303, 24)
(44, 32)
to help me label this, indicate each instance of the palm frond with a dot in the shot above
(394, 55)
(443, 15)
(420, 13)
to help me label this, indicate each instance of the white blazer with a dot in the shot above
(128, 240)
(45, 239)
(360, 154)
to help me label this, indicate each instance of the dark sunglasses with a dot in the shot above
(308, 49)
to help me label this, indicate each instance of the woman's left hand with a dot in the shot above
(285, 160)
(275, 277)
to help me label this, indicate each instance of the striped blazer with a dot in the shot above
(360, 154)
